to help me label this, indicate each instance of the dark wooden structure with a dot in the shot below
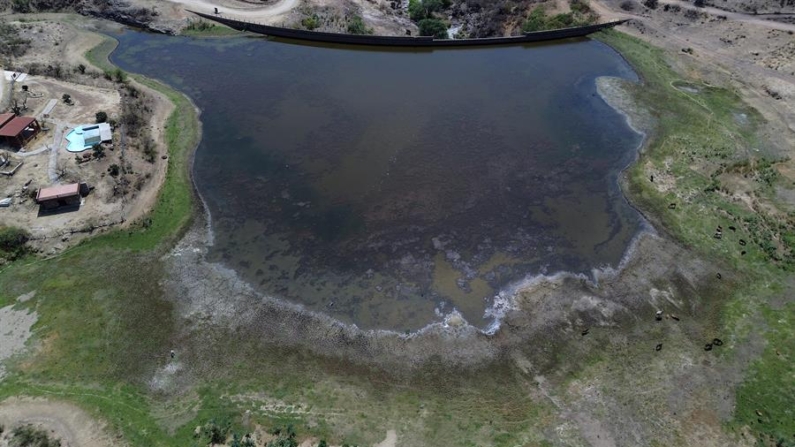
(18, 130)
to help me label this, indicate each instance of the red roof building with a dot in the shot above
(18, 130)
(57, 196)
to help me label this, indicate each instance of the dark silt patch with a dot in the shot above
(388, 187)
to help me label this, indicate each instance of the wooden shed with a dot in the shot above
(18, 130)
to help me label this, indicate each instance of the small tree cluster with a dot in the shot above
(433, 27)
(423, 9)
(101, 117)
(356, 26)
(13, 242)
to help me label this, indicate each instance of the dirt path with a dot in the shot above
(242, 11)
(737, 16)
(64, 421)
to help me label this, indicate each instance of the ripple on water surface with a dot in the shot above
(388, 188)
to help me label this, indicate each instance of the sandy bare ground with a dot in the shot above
(736, 16)
(15, 330)
(63, 421)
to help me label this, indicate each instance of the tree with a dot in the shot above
(67, 98)
(114, 170)
(99, 151)
(322, 443)
(101, 117)
(651, 4)
(423, 9)
(698, 3)
(81, 68)
(433, 27)
(536, 21)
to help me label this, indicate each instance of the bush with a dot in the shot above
(114, 170)
(67, 98)
(627, 5)
(433, 27)
(216, 432)
(536, 21)
(10, 42)
(21, 6)
(101, 117)
(356, 26)
(651, 4)
(13, 242)
(30, 436)
(150, 150)
(423, 9)
(580, 7)
(311, 23)
(119, 76)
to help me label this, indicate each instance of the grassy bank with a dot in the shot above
(175, 202)
(102, 313)
(703, 153)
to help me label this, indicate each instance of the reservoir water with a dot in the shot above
(388, 188)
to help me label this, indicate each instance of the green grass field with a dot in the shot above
(700, 137)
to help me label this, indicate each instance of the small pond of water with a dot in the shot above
(388, 188)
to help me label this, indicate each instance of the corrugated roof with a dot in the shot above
(16, 126)
(58, 192)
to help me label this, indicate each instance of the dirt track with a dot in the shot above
(239, 10)
(63, 421)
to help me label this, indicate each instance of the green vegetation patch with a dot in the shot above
(700, 158)
(580, 15)
(13, 243)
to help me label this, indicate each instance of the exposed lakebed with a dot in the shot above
(387, 188)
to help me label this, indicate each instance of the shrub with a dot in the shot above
(30, 436)
(67, 98)
(21, 6)
(311, 23)
(150, 150)
(433, 27)
(651, 4)
(10, 42)
(81, 68)
(423, 9)
(119, 76)
(216, 432)
(356, 26)
(101, 117)
(536, 20)
(627, 5)
(580, 7)
(13, 242)
(114, 170)
(98, 150)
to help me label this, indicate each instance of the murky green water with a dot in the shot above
(387, 187)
